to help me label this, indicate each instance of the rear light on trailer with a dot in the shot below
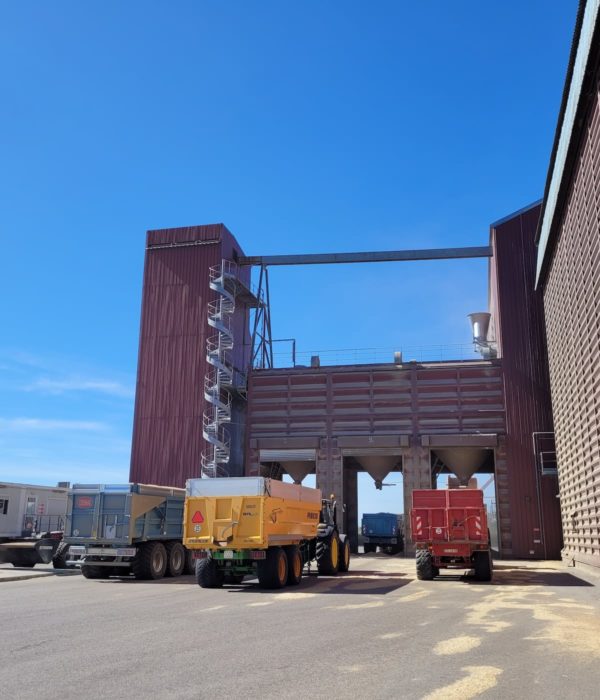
(258, 554)
(199, 554)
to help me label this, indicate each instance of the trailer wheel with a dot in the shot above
(208, 574)
(59, 560)
(89, 571)
(273, 571)
(176, 555)
(294, 564)
(483, 565)
(328, 555)
(150, 562)
(425, 568)
(344, 554)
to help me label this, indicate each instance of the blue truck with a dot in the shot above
(385, 530)
(124, 529)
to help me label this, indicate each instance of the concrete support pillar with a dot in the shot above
(416, 470)
(350, 526)
(330, 469)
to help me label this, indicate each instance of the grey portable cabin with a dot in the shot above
(32, 519)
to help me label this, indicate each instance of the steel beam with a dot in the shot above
(367, 257)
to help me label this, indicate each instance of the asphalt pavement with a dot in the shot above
(375, 632)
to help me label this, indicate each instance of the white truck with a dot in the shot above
(32, 521)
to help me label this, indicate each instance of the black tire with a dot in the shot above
(190, 563)
(59, 560)
(328, 555)
(344, 563)
(24, 564)
(483, 565)
(150, 562)
(273, 571)
(208, 574)
(176, 556)
(90, 571)
(294, 564)
(425, 568)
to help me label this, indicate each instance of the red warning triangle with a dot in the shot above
(197, 517)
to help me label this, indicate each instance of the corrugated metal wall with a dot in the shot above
(572, 306)
(167, 431)
(519, 323)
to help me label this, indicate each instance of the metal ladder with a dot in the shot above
(219, 379)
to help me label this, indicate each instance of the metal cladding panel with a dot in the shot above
(372, 400)
(167, 431)
(519, 323)
(572, 306)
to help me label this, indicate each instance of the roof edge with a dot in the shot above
(585, 26)
(514, 215)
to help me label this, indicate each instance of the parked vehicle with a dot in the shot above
(383, 530)
(264, 527)
(122, 529)
(32, 520)
(449, 528)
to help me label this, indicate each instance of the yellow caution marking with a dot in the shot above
(477, 681)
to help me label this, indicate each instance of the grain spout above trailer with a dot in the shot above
(255, 526)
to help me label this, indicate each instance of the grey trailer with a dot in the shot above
(124, 529)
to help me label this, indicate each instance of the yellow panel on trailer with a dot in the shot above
(248, 513)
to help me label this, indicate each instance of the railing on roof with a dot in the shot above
(292, 357)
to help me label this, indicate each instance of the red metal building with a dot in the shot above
(464, 416)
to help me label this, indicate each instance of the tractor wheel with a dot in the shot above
(90, 571)
(344, 564)
(425, 568)
(208, 574)
(273, 571)
(176, 555)
(328, 555)
(483, 565)
(190, 563)
(59, 560)
(294, 564)
(150, 562)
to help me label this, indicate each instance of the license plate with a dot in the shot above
(45, 546)
(111, 551)
(77, 551)
(451, 551)
(228, 554)
(394, 540)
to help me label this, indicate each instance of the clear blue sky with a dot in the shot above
(303, 126)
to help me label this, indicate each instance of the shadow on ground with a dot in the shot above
(353, 582)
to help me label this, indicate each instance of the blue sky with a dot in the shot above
(303, 126)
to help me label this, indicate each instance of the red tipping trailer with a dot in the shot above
(450, 531)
